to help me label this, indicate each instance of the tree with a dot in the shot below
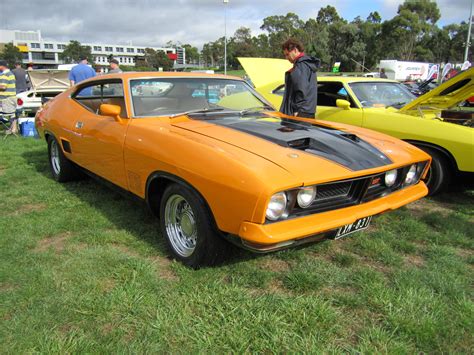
(192, 54)
(158, 59)
(242, 43)
(405, 36)
(328, 15)
(74, 52)
(280, 28)
(11, 54)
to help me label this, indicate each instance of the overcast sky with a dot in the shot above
(155, 22)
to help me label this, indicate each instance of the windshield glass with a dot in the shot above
(171, 96)
(382, 94)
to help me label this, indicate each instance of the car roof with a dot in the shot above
(151, 74)
(354, 79)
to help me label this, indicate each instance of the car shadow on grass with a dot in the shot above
(121, 209)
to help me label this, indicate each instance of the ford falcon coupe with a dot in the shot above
(434, 122)
(216, 163)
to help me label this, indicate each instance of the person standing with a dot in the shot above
(382, 74)
(21, 81)
(80, 72)
(301, 90)
(8, 95)
(114, 66)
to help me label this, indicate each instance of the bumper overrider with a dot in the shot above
(363, 198)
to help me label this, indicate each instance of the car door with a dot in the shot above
(98, 139)
(328, 94)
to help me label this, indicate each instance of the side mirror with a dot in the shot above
(111, 111)
(344, 104)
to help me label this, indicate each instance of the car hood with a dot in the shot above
(449, 94)
(291, 144)
(49, 79)
(263, 71)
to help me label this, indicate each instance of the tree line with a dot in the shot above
(411, 35)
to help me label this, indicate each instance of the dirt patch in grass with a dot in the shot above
(464, 253)
(126, 250)
(107, 285)
(31, 207)
(414, 260)
(273, 264)
(56, 242)
(421, 207)
(2, 170)
(163, 269)
(5, 287)
(275, 287)
(107, 328)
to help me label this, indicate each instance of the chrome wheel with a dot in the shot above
(180, 225)
(55, 162)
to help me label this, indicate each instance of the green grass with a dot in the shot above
(82, 269)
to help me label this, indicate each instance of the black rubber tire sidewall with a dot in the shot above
(439, 174)
(211, 248)
(67, 171)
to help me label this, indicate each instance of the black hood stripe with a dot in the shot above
(341, 147)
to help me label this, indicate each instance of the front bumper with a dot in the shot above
(273, 236)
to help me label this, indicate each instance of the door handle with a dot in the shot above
(79, 124)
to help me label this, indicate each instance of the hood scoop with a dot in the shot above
(341, 147)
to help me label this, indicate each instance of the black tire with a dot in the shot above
(62, 169)
(439, 175)
(189, 228)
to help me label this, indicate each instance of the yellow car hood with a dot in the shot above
(448, 94)
(263, 71)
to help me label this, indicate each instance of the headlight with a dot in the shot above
(306, 196)
(411, 176)
(390, 178)
(276, 206)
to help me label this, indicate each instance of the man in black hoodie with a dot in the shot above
(301, 91)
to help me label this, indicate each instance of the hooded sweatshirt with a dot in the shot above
(301, 91)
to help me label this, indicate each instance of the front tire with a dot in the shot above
(439, 175)
(189, 229)
(62, 169)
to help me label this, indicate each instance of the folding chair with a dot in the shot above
(8, 119)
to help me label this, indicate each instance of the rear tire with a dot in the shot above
(62, 169)
(189, 229)
(440, 174)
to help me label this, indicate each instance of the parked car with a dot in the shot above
(233, 169)
(45, 84)
(432, 122)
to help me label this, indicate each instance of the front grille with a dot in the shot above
(333, 196)
(340, 189)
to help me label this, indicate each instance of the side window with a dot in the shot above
(89, 91)
(329, 92)
(92, 96)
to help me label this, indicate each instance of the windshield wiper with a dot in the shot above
(397, 104)
(256, 108)
(198, 110)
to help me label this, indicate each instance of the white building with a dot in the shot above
(45, 53)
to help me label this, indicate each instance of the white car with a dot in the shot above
(45, 84)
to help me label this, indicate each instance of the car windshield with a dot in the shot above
(174, 96)
(382, 94)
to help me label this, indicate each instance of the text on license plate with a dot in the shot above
(353, 227)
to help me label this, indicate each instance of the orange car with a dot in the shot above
(216, 163)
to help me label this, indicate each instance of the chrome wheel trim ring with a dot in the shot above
(180, 225)
(55, 157)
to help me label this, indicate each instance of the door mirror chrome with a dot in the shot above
(344, 104)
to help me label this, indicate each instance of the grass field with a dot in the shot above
(82, 269)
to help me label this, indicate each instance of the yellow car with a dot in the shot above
(387, 106)
(212, 159)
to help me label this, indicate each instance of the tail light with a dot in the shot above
(19, 102)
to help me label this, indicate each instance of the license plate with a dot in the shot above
(358, 225)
